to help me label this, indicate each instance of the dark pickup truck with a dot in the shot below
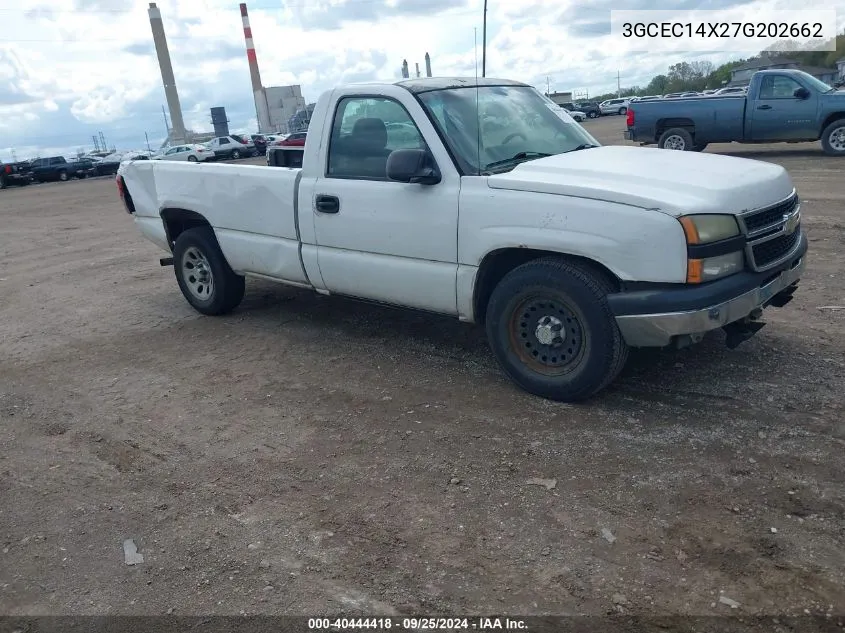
(787, 106)
(59, 168)
(15, 174)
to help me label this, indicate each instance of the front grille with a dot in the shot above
(767, 240)
(770, 217)
(774, 249)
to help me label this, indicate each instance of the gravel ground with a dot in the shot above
(307, 454)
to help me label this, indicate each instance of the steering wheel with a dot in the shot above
(510, 137)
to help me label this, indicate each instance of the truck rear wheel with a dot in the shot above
(204, 275)
(676, 138)
(552, 331)
(63, 175)
(833, 138)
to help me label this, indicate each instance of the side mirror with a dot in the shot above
(801, 93)
(413, 166)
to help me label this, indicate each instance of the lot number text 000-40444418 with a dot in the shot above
(418, 624)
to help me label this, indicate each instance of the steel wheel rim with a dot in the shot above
(196, 271)
(547, 335)
(674, 142)
(837, 139)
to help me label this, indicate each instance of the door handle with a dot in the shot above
(764, 107)
(328, 204)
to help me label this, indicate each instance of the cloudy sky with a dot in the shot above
(72, 68)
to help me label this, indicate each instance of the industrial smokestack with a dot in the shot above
(160, 41)
(418, 70)
(427, 65)
(405, 69)
(262, 108)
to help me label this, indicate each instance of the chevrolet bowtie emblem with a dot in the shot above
(790, 222)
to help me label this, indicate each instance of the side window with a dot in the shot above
(364, 132)
(223, 141)
(172, 150)
(778, 87)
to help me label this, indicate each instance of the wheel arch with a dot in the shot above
(176, 221)
(665, 124)
(498, 263)
(830, 119)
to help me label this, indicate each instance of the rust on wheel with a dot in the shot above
(546, 334)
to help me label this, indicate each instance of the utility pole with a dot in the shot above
(484, 43)
(548, 87)
(148, 143)
(96, 143)
(618, 85)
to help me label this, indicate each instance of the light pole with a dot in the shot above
(484, 43)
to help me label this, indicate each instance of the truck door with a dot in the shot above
(778, 115)
(379, 239)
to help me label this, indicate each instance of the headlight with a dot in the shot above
(714, 246)
(710, 268)
(703, 229)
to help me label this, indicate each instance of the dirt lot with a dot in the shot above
(296, 456)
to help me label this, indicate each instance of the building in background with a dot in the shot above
(741, 75)
(283, 102)
(220, 121)
(560, 97)
(299, 122)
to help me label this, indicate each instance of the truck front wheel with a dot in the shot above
(552, 331)
(676, 138)
(833, 138)
(204, 275)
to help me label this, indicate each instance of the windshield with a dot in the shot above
(494, 128)
(816, 84)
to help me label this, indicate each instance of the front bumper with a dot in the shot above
(748, 292)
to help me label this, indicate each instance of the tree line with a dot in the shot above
(704, 75)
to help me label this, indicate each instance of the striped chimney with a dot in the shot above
(250, 50)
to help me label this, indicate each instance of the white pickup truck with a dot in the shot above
(483, 200)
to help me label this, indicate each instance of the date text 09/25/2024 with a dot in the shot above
(418, 624)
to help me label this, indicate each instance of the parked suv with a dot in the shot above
(590, 108)
(614, 106)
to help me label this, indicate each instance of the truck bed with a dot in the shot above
(252, 209)
(717, 119)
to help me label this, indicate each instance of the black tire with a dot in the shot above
(545, 289)
(63, 175)
(678, 139)
(192, 159)
(226, 287)
(699, 147)
(833, 138)
(3, 184)
(236, 154)
(623, 111)
(592, 115)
